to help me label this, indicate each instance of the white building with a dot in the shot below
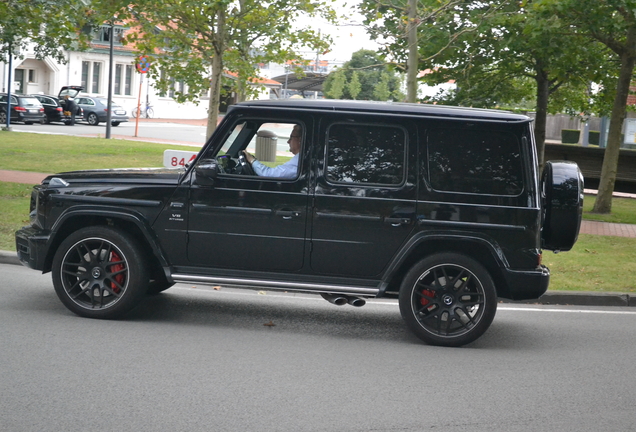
(90, 70)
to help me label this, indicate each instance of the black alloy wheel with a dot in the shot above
(448, 299)
(99, 272)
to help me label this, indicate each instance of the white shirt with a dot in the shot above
(288, 170)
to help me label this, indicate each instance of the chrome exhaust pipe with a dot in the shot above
(338, 300)
(356, 301)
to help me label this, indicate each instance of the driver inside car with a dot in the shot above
(289, 169)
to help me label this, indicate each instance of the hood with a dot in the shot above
(120, 175)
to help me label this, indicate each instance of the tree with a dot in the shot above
(369, 69)
(399, 25)
(337, 86)
(498, 52)
(196, 42)
(381, 91)
(613, 24)
(522, 52)
(353, 86)
(49, 28)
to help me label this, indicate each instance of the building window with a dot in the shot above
(118, 69)
(128, 80)
(32, 76)
(123, 79)
(97, 74)
(91, 76)
(85, 67)
(103, 35)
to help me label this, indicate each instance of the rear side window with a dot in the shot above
(475, 161)
(367, 154)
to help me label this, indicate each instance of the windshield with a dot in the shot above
(30, 102)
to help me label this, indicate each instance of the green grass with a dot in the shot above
(596, 263)
(623, 210)
(14, 202)
(57, 153)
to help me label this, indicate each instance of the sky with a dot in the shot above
(347, 38)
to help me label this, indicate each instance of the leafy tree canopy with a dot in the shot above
(196, 41)
(51, 27)
(363, 74)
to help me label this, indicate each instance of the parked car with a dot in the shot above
(96, 110)
(24, 108)
(54, 109)
(439, 207)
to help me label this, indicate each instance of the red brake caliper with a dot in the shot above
(427, 293)
(114, 257)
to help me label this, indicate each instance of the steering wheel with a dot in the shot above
(246, 167)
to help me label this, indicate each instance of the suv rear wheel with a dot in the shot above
(448, 299)
(99, 272)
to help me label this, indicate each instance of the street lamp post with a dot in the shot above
(109, 113)
(8, 111)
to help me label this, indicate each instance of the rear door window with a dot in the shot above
(366, 154)
(475, 160)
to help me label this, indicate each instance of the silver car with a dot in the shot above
(96, 110)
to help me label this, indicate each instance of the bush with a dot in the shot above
(570, 136)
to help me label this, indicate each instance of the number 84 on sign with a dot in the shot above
(177, 158)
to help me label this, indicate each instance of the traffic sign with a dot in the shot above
(143, 64)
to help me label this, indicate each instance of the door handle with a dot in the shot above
(287, 214)
(397, 221)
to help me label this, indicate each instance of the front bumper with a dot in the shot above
(32, 245)
(526, 285)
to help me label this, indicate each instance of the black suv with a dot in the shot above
(440, 207)
(24, 108)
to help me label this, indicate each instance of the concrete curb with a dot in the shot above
(9, 257)
(573, 298)
(581, 298)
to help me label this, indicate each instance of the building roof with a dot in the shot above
(310, 81)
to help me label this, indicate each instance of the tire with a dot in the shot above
(3, 118)
(115, 123)
(92, 119)
(28, 122)
(150, 113)
(100, 272)
(448, 299)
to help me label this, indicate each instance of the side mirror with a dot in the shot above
(206, 172)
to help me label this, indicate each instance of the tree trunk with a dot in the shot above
(412, 63)
(543, 92)
(603, 202)
(217, 75)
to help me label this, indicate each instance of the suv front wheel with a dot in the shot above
(448, 299)
(99, 272)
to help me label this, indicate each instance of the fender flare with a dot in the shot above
(130, 216)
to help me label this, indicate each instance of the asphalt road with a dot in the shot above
(160, 132)
(199, 359)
